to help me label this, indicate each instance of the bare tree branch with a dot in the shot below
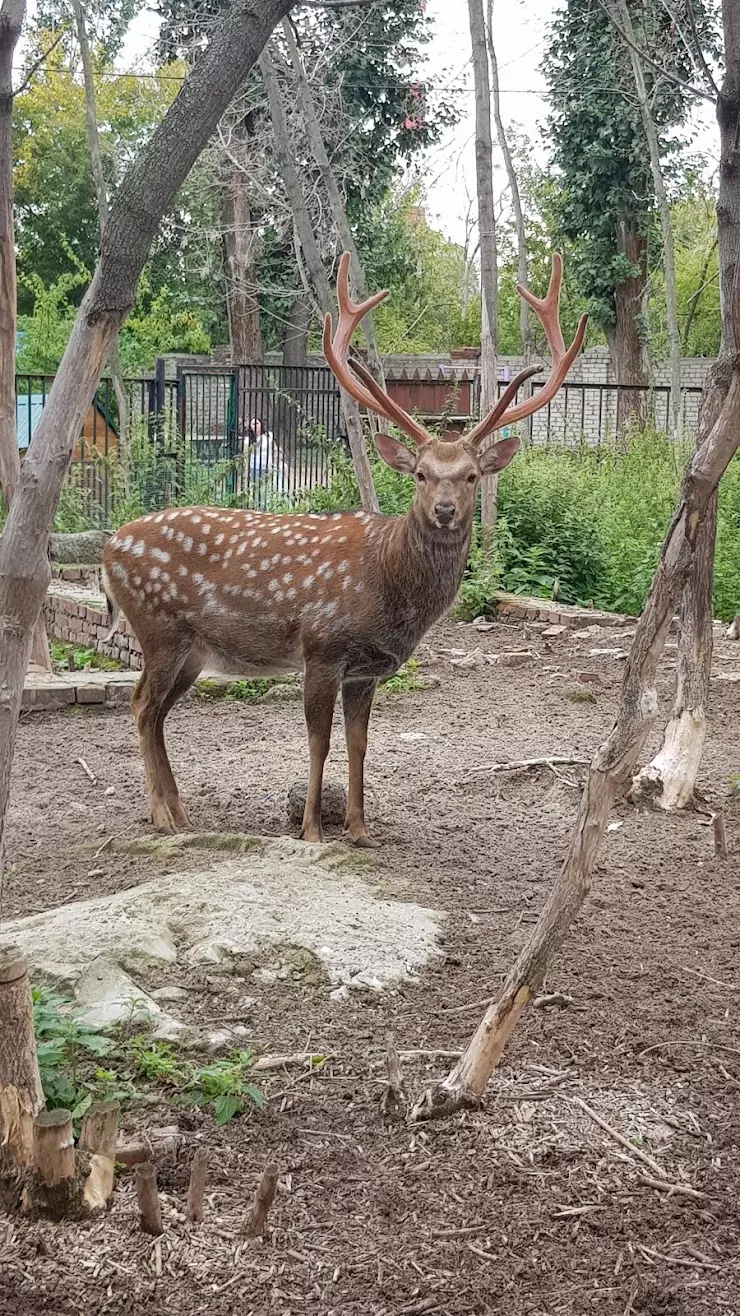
(647, 59)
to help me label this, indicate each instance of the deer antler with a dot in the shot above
(547, 309)
(368, 392)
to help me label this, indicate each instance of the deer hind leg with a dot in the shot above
(357, 700)
(161, 685)
(319, 697)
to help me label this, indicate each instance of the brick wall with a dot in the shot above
(75, 612)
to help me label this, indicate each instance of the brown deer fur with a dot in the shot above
(345, 597)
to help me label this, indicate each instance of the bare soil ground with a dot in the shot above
(526, 1206)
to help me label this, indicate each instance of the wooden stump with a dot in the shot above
(98, 1137)
(21, 1097)
(194, 1207)
(55, 1185)
(147, 1197)
(263, 1198)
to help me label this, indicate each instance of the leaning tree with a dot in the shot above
(614, 761)
(234, 46)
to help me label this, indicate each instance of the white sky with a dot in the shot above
(449, 171)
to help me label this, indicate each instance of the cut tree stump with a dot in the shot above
(21, 1097)
(194, 1206)
(263, 1199)
(55, 1185)
(98, 1137)
(147, 1197)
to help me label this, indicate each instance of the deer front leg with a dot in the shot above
(357, 700)
(319, 697)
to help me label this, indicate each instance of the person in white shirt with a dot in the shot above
(262, 459)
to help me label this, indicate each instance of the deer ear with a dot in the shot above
(395, 454)
(498, 456)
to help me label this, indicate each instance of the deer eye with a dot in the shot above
(472, 479)
(421, 477)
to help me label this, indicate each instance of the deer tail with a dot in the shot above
(114, 614)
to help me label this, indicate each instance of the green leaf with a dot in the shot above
(255, 1095)
(226, 1107)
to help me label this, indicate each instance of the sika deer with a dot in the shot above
(347, 597)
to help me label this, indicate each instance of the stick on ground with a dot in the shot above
(263, 1199)
(194, 1206)
(393, 1099)
(721, 848)
(98, 1137)
(147, 1197)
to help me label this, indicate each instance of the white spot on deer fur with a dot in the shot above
(275, 559)
(138, 548)
(343, 566)
(159, 518)
(229, 553)
(359, 587)
(290, 594)
(119, 571)
(326, 539)
(187, 544)
(215, 557)
(137, 579)
(302, 539)
(326, 570)
(172, 516)
(202, 549)
(346, 582)
(233, 539)
(272, 585)
(160, 555)
(123, 545)
(167, 531)
(154, 572)
(308, 581)
(242, 548)
(279, 596)
(286, 559)
(288, 576)
(265, 564)
(182, 571)
(314, 539)
(219, 539)
(251, 573)
(206, 528)
(342, 539)
(196, 520)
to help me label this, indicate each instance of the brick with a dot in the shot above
(50, 694)
(91, 694)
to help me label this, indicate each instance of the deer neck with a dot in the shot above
(423, 567)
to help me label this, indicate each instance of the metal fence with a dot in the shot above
(194, 438)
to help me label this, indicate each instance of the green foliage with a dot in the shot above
(72, 658)
(63, 1044)
(248, 692)
(68, 1049)
(43, 334)
(405, 681)
(605, 205)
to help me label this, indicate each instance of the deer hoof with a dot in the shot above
(161, 817)
(312, 835)
(363, 841)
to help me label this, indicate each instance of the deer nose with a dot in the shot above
(444, 511)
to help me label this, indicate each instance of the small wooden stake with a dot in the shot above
(194, 1206)
(147, 1197)
(263, 1198)
(393, 1100)
(53, 1147)
(99, 1135)
(721, 848)
(21, 1097)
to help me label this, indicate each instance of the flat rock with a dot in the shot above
(282, 893)
(333, 803)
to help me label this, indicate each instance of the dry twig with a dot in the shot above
(194, 1205)
(263, 1199)
(393, 1098)
(88, 771)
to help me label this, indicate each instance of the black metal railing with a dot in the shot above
(194, 438)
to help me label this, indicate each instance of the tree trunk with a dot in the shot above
(615, 759)
(21, 1097)
(625, 337)
(669, 249)
(316, 271)
(516, 200)
(295, 340)
(487, 234)
(336, 202)
(242, 301)
(12, 13)
(146, 192)
(101, 193)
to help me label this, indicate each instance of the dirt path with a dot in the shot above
(526, 1206)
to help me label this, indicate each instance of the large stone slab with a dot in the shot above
(244, 896)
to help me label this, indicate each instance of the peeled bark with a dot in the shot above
(614, 761)
(12, 13)
(609, 772)
(144, 196)
(21, 1097)
(316, 271)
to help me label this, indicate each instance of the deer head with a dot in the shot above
(447, 473)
